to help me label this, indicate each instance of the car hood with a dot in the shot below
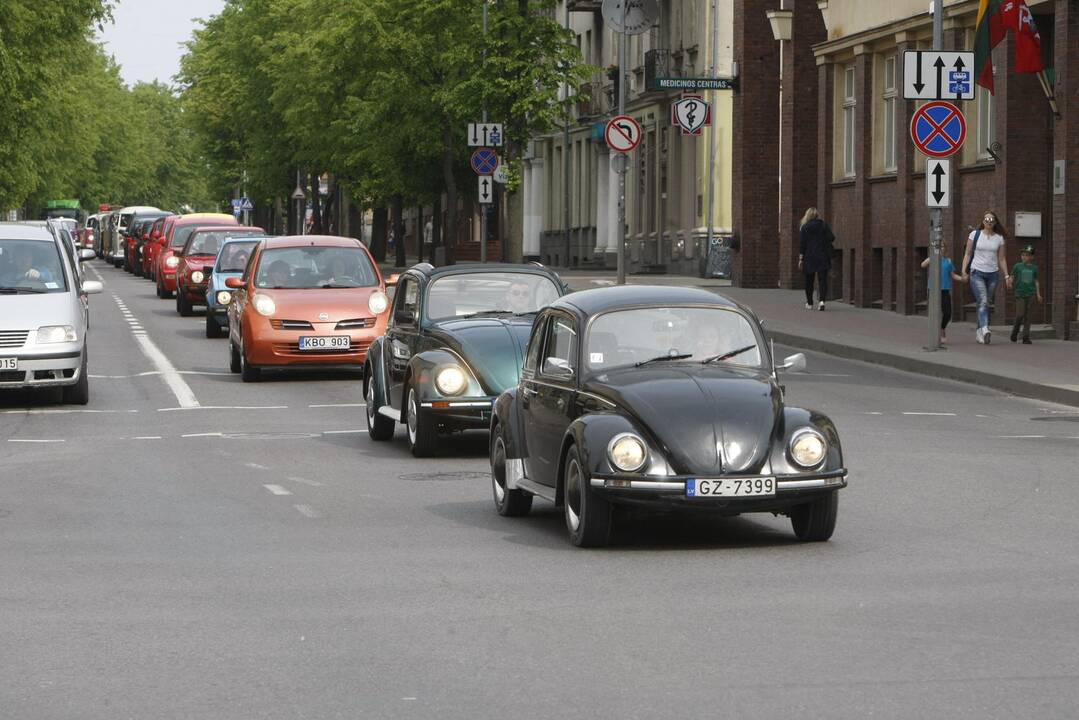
(198, 262)
(492, 346)
(30, 311)
(337, 303)
(710, 419)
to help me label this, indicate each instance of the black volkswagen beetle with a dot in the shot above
(455, 341)
(662, 397)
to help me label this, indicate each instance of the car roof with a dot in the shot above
(24, 231)
(591, 302)
(287, 241)
(244, 238)
(202, 218)
(433, 272)
(137, 209)
(228, 228)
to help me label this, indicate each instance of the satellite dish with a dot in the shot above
(640, 15)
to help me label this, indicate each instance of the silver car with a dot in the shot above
(43, 312)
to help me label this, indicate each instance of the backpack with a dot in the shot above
(973, 249)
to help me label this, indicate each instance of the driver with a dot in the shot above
(339, 273)
(22, 268)
(519, 298)
(278, 274)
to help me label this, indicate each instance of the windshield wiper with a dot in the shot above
(487, 312)
(729, 355)
(17, 290)
(661, 358)
(327, 286)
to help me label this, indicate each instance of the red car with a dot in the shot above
(197, 258)
(177, 235)
(153, 244)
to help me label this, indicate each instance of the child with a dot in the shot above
(1024, 277)
(947, 274)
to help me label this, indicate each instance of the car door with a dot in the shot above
(401, 337)
(240, 297)
(547, 410)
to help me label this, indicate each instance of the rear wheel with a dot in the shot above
(815, 521)
(79, 393)
(508, 502)
(422, 433)
(379, 427)
(588, 516)
(213, 328)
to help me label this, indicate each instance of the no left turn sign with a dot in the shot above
(623, 133)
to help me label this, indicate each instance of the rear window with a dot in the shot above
(31, 266)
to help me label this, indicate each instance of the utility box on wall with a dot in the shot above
(1028, 224)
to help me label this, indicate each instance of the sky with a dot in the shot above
(146, 36)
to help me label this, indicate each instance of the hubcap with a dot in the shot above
(413, 416)
(498, 470)
(574, 492)
(371, 402)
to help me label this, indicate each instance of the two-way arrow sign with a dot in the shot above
(486, 189)
(938, 183)
(932, 75)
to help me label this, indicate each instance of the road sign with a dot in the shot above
(938, 183)
(691, 114)
(299, 194)
(716, 83)
(938, 129)
(932, 75)
(640, 15)
(484, 161)
(500, 175)
(246, 204)
(622, 133)
(485, 135)
(486, 189)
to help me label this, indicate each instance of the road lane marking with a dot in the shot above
(871, 413)
(277, 490)
(308, 511)
(33, 411)
(1021, 437)
(932, 414)
(34, 441)
(342, 432)
(184, 395)
(305, 481)
(201, 435)
(226, 407)
(147, 437)
(256, 466)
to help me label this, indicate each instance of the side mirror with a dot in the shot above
(557, 367)
(92, 287)
(794, 363)
(234, 283)
(86, 254)
(404, 317)
(392, 280)
(207, 270)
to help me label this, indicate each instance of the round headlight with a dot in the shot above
(378, 302)
(627, 452)
(451, 381)
(172, 261)
(224, 297)
(808, 448)
(197, 277)
(265, 305)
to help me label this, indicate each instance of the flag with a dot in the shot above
(1028, 43)
(989, 30)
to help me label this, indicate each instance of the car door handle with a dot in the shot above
(529, 391)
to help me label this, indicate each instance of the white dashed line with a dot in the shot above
(256, 466)
(30, 411)
(871, 413)
(932, 414)
(277, 489)
(1021, 437)
(35, 441)
(340, 405)
(308, 511)
(184, 395)
(147, 437)
(226, 407)
(342, 432)
(305, 481)
(201, 435)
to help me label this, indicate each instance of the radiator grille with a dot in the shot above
(13, 338)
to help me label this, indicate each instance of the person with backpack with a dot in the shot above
(815, 255)
(984, 262)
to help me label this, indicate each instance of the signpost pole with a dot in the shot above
(936, 221)
(620, 231)
(713, 132)
(483, 207)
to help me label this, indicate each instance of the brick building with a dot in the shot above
(839, 140)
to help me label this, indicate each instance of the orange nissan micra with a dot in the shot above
(305, 300)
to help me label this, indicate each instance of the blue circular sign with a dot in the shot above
(938, 129)
(485, 161)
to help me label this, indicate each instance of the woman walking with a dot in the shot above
(815, 255)
(984, 262)
(947, 275)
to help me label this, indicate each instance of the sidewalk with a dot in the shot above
(1047, 370)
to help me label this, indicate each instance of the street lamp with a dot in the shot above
(782, 21)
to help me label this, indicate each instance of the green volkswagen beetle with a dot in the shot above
(455, 341)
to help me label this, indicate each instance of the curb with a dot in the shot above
(1014, 386)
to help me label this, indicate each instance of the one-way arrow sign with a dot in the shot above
(485, 191)
(485, 135)
(931, 75)
(938, 183)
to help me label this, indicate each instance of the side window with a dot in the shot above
(560, 350)
(535, 343)
(250, 266)
(406, 302)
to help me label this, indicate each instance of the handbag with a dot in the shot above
(973, 249)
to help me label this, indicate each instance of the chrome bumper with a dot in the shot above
(784, 483)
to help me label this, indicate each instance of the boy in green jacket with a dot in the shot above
(1024, 278)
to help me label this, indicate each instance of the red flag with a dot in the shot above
(1028, 43)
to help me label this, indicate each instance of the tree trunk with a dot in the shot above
(451, 193)
(316, 205)
(378, 233)
(397, 213)
(437, 238)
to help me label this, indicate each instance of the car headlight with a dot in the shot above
(808, 448)
(56, 334)
(197, 277)
(172, 261)
(224, 297)
(451, 381)
(378, 302)
(265, 305)
(627, 452)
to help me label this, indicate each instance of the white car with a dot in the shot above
(43, 312)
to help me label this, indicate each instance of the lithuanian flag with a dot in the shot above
(988, 32)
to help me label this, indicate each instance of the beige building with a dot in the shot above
(570, 189)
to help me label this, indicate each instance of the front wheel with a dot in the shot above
(234, 358)
(422, 433)
(183, 304)
(588, 516)
(508, 502)
(213, 328)
(247, 372)
(79, 393)
(815, 521)
(379, 427)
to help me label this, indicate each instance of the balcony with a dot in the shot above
(584, 5)
(658, 64)
(590, 101)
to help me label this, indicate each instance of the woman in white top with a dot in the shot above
(984, 263)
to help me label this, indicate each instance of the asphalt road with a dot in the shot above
(257, 556)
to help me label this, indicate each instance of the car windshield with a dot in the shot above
(209, 242)
(30, 266)
(125, 220)
(234, 256)
(658, 334)
(310, 267)
(181, 234)
(480, 293)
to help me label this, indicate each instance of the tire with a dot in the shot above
(213, 328)
(160, 290)
(247, 372)
(234, 358)
(508, 503)
(815, 521)
(588, 516)
(79, 393)
(379, 427)
(183, 305)
(422, 433)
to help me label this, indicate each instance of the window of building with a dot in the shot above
(888, 96)
(849, 106)
(987, 126)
